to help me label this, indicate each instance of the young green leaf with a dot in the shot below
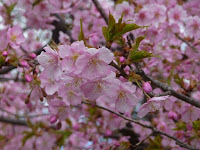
(137, 56)
(137, 42)
(81, 34)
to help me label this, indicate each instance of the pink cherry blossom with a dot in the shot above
(51, 62)
(151, 105)
(94, 62)
(15, 36)
(177, 15)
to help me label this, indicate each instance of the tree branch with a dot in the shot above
(100, 9)
(180, 143)
(186, 42)
(166, 88)
(13, 121)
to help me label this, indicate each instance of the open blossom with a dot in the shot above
(15, 36)
(158, 12)
(70, 96)
(94, 62)
(177, 15)
(190, 114)
(193, 26)
(98, 87)
(59, 108)
(122, 95)
(151, 105)
(143, 17)
(51, 62)
(70, 55)
(49, 84)
(125, 8)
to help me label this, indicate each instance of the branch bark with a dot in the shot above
(166, 88)
(180, 143)
(101, 11)
(13, 121)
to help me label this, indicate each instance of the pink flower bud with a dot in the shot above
(108, 132)
(28, 77)
(76, 127)
(127, 69)
(122, 79)
(5, 53)
(23, 63)
(147, 87)
(53, 119)
(172, 115)
(122, 59)
(32, 55)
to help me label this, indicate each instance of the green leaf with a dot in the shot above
(180, 126)
(137, 43)
(2, 137)
(2, 60)
(114, 31)
(63, 135)
(105, 33)
(111, 21)
(128, 28)
(81, 34)
(178, 80)
(196, 125)
(124, 146)
(37, 2)
(10, 8)
(137, 56)
(27, 136)
(155, 144)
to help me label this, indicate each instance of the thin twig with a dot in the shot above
(20, 116)
(186, 42)
(166, 88)
(180, 143)
(13, 121)
(100, 9)
(139, 143)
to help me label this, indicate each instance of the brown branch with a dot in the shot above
(166, 88)
(180, 143)
(13, 121)
(101, 11)
(186, 42)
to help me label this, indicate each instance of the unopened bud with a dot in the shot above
(172, 115)
(32, 55)
(122, 59)
(53, 119)
(5, 53)
(23, 63)
(28, 77)
(147, 87)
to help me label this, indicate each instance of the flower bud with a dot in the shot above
(147, 87)
(127, 69)
(172, 115)
(122, 59)
(5, 53)
(28, 77)
(53, 119)
(32, 55)
(23, 63)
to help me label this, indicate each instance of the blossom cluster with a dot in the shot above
(74, 73)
